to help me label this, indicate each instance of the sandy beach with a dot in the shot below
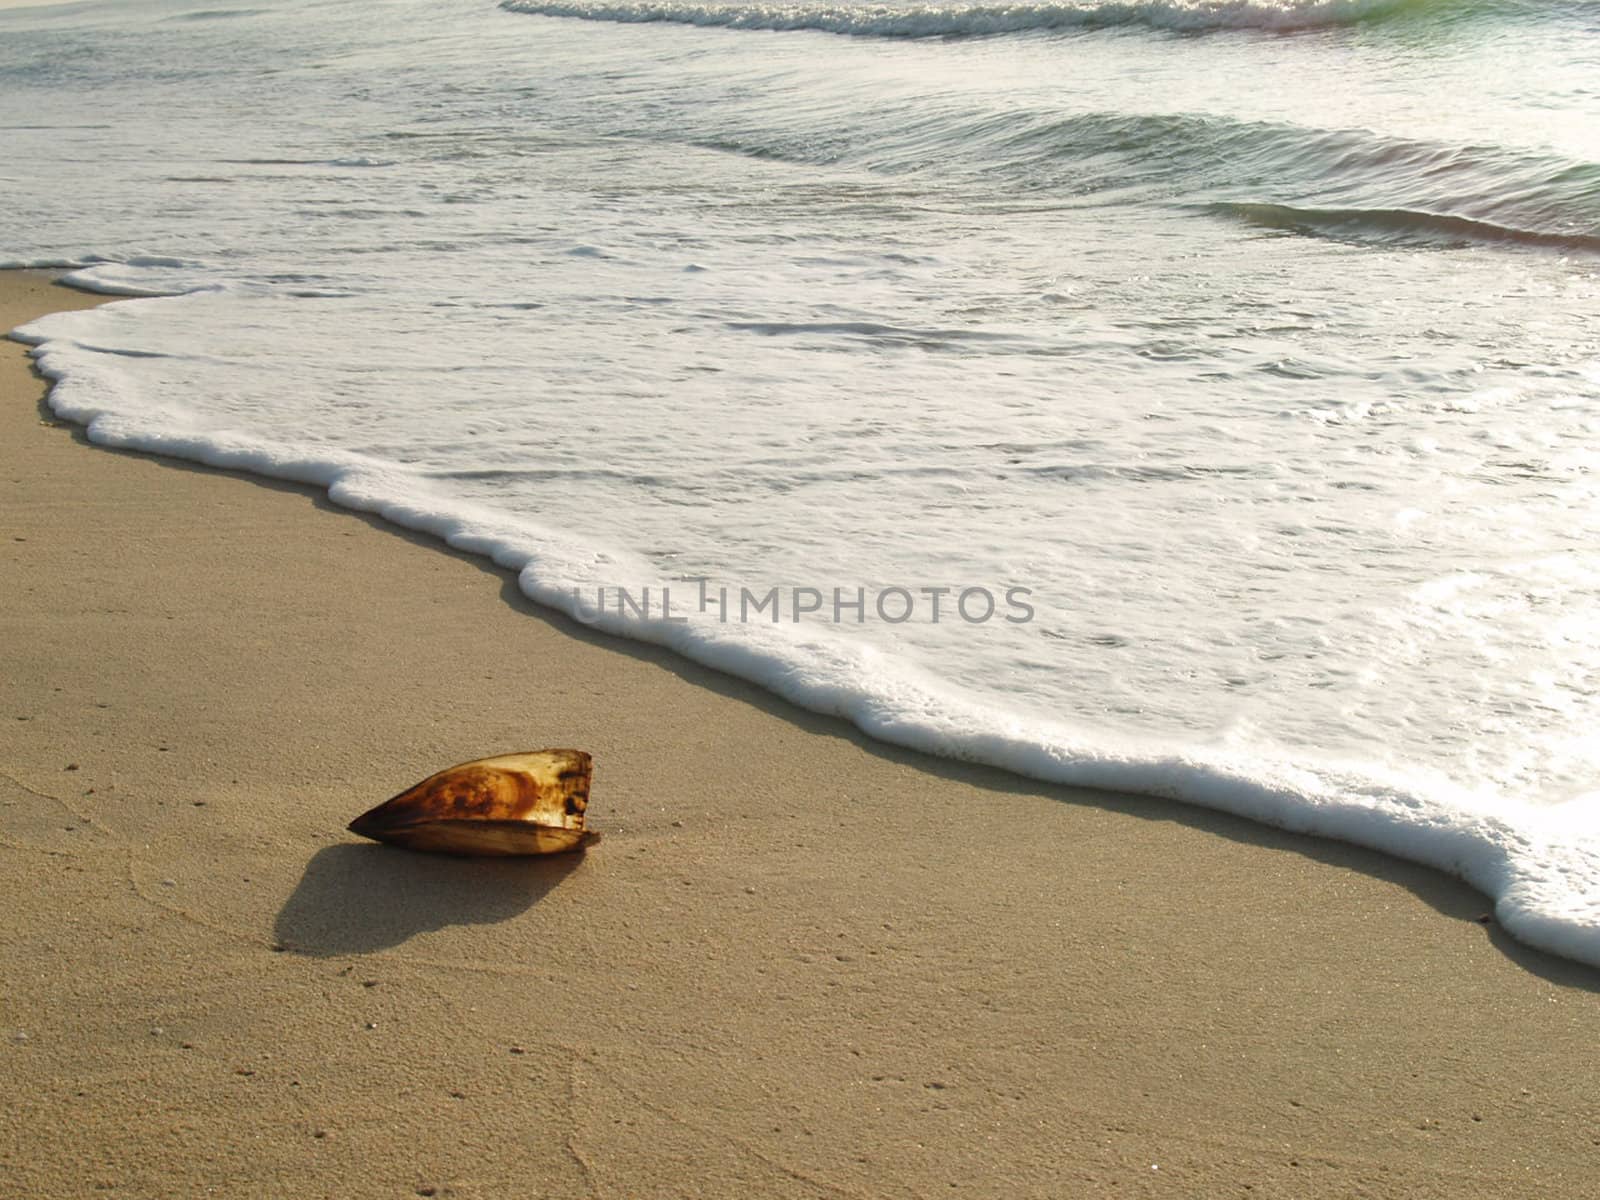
(798, 964)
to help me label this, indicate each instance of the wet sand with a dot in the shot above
(799, 963)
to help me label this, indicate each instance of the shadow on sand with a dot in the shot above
(354, 899)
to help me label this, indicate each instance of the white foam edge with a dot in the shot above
(888, 20)
(101, 276)
(1545, 888)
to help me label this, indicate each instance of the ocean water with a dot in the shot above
(1199, 399)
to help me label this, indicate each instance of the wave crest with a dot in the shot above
(981, 20)
(1401, 227)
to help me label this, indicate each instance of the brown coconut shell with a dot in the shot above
(532, 802)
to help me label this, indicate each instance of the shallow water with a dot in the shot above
(1243, 356)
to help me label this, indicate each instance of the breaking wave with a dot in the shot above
(984, 20)
(1400, 227)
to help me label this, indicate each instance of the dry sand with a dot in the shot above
(799, 964)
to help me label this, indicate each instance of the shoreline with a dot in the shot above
(1427, 823)
(800, 960)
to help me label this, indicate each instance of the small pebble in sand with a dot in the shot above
(20, 1036)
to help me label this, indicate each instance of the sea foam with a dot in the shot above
(1544, 881)
(983, 20)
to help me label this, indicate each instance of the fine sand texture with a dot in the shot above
(799, 964)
